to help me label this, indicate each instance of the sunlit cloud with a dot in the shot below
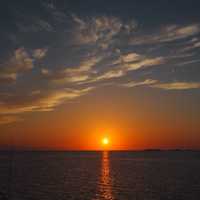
(8, 77)
(122, 69)
(188, 62)
(145, 63)
(100, 30)
(151, 83)
(19, 62)
(193, 44)
(39, 101)
(72, 74)
(39, 53)
(177, 85)
(167, 34)
(147, 82)
(85, 65)
(131, 57)
(110, 74)
(96, 29)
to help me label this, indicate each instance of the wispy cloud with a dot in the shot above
(19, 62)
(193, 44)
(72, 74)
(8, 77)
(146, 62)
(177, 85)
(39, 53)
(39, 101)
(151, 83)
(146, 82)
(167, 34)
(99, 30)
(189, 62)
(109, 75)
(123, 67)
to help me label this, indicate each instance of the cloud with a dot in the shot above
(191, 45)
(45, 100)
(73, 74)
(165, 86)
(39, 53)
(96, 29)
(196, 45)
(110, 74)
(130, 57)
(188, 62)
(8, 78)
(177, 85)
(85, 65)
(139, 83)
(127, 58)
(146, 62)
(19, 62)
(167, 34)
(9, 119)
(124, 67)
(99, 30)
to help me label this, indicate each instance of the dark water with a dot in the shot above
(100, 175)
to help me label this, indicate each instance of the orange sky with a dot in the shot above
(129, 122)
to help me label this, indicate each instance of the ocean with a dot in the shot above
(120, 175)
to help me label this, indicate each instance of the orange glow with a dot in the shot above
(123, 129)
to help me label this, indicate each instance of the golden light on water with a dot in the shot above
(106, 178)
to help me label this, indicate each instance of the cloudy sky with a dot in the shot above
(73, 71)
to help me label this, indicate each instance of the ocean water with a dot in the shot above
(100, 175)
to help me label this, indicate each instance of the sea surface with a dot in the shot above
(147, 175)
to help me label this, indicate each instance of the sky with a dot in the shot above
(73, 72)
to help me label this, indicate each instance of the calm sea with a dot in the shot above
(100, 175)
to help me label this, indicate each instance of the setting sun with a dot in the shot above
(105, 141)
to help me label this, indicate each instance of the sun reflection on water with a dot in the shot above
(106, 179)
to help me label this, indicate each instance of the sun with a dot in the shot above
(105, 141)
